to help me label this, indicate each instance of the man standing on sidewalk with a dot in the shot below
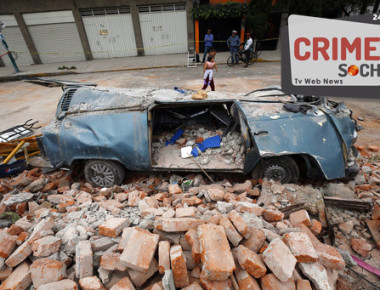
(233, 43)
(247, 48)
(209, 38)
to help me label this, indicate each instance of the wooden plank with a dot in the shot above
(355, 204)
(374, 227)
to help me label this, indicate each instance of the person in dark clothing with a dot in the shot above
(209, 38)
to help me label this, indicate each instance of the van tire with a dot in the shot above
(283, 169)
(104, 173)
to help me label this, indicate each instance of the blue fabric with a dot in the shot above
(207, 50)
(234, 55)
(179, 90)
(209, 39)
(233, 41)
(176, 136)
(212, 142)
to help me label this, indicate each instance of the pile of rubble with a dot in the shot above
(230, 154)
(159, 233)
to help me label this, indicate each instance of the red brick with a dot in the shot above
(45, 271)
(376, 212)
(139, 251)
(193, 286)
(5, 272)
(255, 241)
(15, 230)
(59, 198)
(361, 247)
(373, 148)
(216, 285)
(196, 272)
(185, 212)
(217, 261)
(83, 260)
(20, 278)
(163, 256)
(301, 247)
(298, 217)
(111, 262)
(316, 227)
(216, 194)
(139, 278)
(113, 227)
(178, 264)
(245, 280)
(239, 224)
(19, 255)
(192, 238)
(232, 234)
(7, 243)
(174, 189)
(303, 285)
(91, 283)
(279, 259)
(242, 187)
(178, 224)
(270, 282)
(124, 238)
(50, 186)
(123, 284)
(364, 187)
(271, 215)
(65, 284)
(46, 246)
(251, 262)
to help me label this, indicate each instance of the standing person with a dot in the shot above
(233, 43)
(209, 38)
(208, 73)
(248, 48)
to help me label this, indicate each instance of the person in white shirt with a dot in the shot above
(248, 48)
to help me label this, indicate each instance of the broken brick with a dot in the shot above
(217, 261)
(245, 280)
(46, 246)
(255, 241)
(111, 262)
(45, 271)
(279, 259)
(163, 256)
(251, 262)
(113, 227)
(178, 265)
(123, 284)
(178, 224)
(232, 234)
(270, 282)
(19, 255)
(65, 284)
(298, 217)
(139, 251)
(303, 285)
(174, 189)
(15, 230)
(185, 212)
(192, 238)
(91, 283)
(239, 224)
(216, 194)
(242, 187)
(271, 215)
(301, 247)
(139, 278)
(216, 285)
(7, 243)
(83, 260)
(361, 246)
(20, 278)
(316, 227)
(124, 238)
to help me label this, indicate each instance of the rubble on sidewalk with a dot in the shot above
(156, 233)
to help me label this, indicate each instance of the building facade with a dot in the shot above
(43, 31)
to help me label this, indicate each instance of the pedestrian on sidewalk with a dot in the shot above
(248, 48)
(209, 38)
(208, 73)
(233, 43)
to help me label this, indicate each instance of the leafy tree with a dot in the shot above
(258, 16)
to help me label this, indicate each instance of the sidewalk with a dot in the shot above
(115, 64)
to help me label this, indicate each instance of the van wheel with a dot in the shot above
(104, 173)
(283, 169)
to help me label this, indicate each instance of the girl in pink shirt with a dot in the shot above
(208, 73)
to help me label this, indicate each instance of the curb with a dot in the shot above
(21, 77)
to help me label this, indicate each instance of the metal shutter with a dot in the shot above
(15, 41)
(163, 31)
(57, 42)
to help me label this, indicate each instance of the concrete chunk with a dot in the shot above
(83, 260)
(317, 275)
